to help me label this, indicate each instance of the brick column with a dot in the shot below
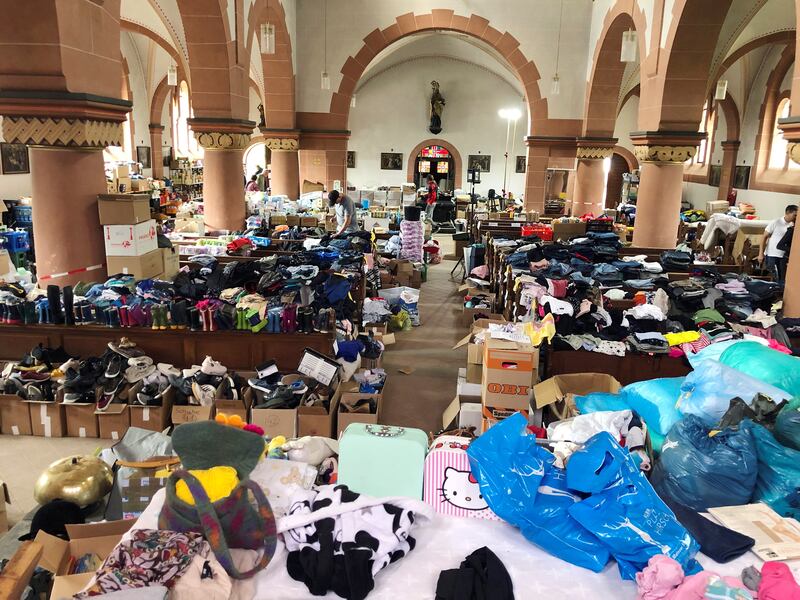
(224, 142)
(590, 179)
(285, 162)
(156, 151)
(66, 134)
(661, 156)
(791, 292)
(730, 151)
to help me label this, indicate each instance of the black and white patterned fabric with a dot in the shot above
(339, 540)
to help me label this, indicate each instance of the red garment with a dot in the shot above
(432, 191)
(777, 583)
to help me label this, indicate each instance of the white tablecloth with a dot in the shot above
(443, 544)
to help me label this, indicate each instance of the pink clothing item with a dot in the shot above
(777, 583)
(539, 265)
(676, 352)
(557, 287)
(659, 578)
(481, 271)
(776, 345)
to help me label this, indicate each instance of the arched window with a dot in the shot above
(704, 149)
(185, 144)
(778, 157)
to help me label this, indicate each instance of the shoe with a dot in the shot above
(112, 317)
(69, 314)
(321, 321)
(138, 371)
(281, 397)
(226, 390)
(195, 322)
(212, 367)
(111, 386)
(54, 303)
(124, 316)
(29, 313)
(178, 314)
(114, 366)
(262, 385)
(203, 394)
(140, 361)
(168, 370)
(14, 314)
(125, 348)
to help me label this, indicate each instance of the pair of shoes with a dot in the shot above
(305, 319)
(160, 314)
(207, 319)
(195, 322)
(111, 387)
(179, 315)
(289, 319)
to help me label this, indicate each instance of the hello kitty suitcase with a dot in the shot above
(382, 460)
(450, 487)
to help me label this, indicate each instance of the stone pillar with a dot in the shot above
(224, 142)
(730, 151)
(156, 150)
(285, 165)
(661, 156)
(791, 292)
(66, 136)
(590, 178)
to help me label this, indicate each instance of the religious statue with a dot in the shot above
(263, 121)
(437, 107)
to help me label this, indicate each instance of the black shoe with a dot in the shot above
(195, 323)
(69, 314)
(54, 303)
(112, 317)
(100, 315)
(29, 313)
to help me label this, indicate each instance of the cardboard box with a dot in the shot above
(492, 415)
(92, 538)
(467, 392)
(309, 222)
(113, 422)
(474, 373)
(4, 499)
(311, 186)
(236, 407)
(123, 209)
(343, 419)
(48, 419)
(122, 185)
(717, 206)
(140, 185)
(509, 370)
(462, 414)
(559, 391)
(277, 220)
(330, 223)
(293, 220)
(142, 267)
(15, 418)
(470, 315)
(190, 413)
(130, 240)
(276, 421)
(172, 263)
(154, 418)
(194, 225)
(565, 231)
(314, 420)
(81, 420)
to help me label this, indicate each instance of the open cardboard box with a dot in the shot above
(92, 538)
(509, 370)
(48, 419)
(154, 418)
(81, 418)
(475, 351)
(559, 392)
(343, 419)
(114, 421)
(15, 418)
(190, 413)
(276, 421)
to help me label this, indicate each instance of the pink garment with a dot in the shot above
(557, 287)
(537, 266)
(676, 352)
(662, 579)
(481, 271)
(777, 583)
(776, 345)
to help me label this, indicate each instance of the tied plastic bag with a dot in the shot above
(778, 482)
(702, 471)
(787, 425)
(624, 511)
(768, 365)
(522, 487)
(707, 392)
(400, 322)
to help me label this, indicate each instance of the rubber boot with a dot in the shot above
(29, 312)
(212, 322)
(112, 317)
(43, 313)
(54, 302)
(195, 323)
(69, 313)
(99, 315)
(14, 314)
(87, 315)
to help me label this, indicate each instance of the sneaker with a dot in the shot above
(281, 397)
(114, 367)
(136, 373)
(263, 385)
(72, 363)
(125, 347)
(204, 394)
(167, 369)
(140, 361)
(212, 367)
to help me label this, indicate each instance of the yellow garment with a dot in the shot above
(684, 337)
(218, 482)
(539, 330)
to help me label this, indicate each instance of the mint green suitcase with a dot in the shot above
(382, 460)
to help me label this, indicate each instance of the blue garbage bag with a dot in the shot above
(520, 484)
(626, 514)
(702, 471)
(600, 401)
(768, 365)
(787, 425)
(707, 392)
(654, 401)
(778, 482)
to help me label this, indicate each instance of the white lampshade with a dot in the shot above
(267, 38)
(722, 90)
(172, 75)
(628, 52)
(555, 88)
(325, 81)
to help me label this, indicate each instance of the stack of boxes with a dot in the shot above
(130, 238)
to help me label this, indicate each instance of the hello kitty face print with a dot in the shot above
(461, 489)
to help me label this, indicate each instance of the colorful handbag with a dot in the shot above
(450, 488)
(382, 461)
(231, 522)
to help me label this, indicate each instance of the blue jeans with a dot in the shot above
(777, 268)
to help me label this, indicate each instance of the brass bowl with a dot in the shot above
(82, 480)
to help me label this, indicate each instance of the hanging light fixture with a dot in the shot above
(267, 38)
(629, 50)
(555, 88)
(325, 80)
(722, 90)
(353, 101)
(172, 75)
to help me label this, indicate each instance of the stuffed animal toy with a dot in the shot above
(274, 447)
(238, 422)
(311, 450)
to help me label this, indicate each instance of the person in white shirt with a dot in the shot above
(776, 258)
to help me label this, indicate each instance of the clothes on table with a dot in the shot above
(777, 583)
(481, 576)
(663, 579)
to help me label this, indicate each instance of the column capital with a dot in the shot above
(62, 119)
(590, 148)
(791, 133)
(731, 144)
(287, 140)
(222, 134)
(669, 147)
(548, 140)
(156, 127)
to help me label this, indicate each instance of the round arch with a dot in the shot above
(439, 20)
(629, 157)
(457, 170)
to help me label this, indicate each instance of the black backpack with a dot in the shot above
(785, 243)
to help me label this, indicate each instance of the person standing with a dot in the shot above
(345, 213)
(774, 258)
(433, 192)
(252, 186)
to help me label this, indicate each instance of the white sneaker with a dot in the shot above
(72, 363)
(168, 369)
(204, 394)
(212, 367)
(190, 372)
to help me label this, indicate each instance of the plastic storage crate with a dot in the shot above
(15, 241)
(23, 214)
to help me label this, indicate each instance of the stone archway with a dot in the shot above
(438, 20)
(458, 165)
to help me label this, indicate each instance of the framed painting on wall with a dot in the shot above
(391, 161)
(14, 158)
(482, 162)
(714, 175)
(741, 178)
(351, 159)
(521, 164)
(143, 156)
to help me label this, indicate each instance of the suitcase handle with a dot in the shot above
(384, 430)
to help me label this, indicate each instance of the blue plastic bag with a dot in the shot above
(768, 365)
(626, 514)
(778, 482)
(520, 484)
(700, 472)
(707, 392)
(655, 400)
(787, 425)
(600, 401)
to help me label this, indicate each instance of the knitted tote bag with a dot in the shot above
(232, 522)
